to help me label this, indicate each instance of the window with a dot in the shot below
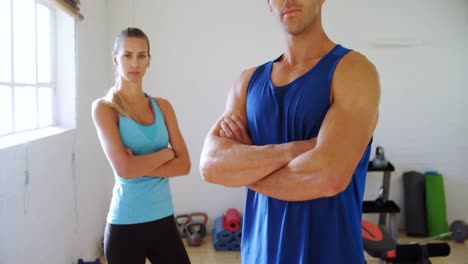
(27, 76)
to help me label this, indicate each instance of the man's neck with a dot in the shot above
(309, 45)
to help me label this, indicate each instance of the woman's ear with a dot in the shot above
(269, 6)
(114, 59)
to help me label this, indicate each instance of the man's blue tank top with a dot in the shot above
(142, 199)
(324, 230)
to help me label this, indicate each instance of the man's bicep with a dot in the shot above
(236, 100)
(351, 120)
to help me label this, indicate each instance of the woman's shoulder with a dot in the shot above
(162, 102)
(164, 105)
(100, 103)
(101, 106)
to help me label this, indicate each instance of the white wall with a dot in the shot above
(59, 215)
(423, 120)
(38, 218)
(199, 48)
(94, 176)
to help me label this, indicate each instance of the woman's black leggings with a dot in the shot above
(159, 241)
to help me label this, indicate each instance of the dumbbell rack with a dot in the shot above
(389, 207)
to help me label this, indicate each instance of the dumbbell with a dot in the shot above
(458, 231)
(181, 221)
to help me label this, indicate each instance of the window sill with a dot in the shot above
(25, 137)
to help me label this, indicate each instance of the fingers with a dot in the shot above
(225, 131)
(233, 128)
(243, 130)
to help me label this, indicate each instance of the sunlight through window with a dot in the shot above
(45, 106)
(25, 108)
(24, 41)
(43, 44)
(5, 43)
(5, 110)
(27, 78)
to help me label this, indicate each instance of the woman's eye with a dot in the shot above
(127, 55)
(142, 56)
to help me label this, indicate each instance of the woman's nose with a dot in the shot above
(134, 63)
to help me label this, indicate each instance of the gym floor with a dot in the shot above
(206, 254)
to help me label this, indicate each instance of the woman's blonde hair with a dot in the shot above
(112, 97)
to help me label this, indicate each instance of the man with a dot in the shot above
(296, 131)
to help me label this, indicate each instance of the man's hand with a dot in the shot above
(234, 129)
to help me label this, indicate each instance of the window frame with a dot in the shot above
(13, 85)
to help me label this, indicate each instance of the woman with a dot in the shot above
(134, 130)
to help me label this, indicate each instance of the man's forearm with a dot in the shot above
(229, 163)
(309, 176)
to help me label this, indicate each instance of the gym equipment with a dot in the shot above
(194, 233)
(458, 231)
(379, 244)
(97, 261)
(380, 202)
(435, 204)
(383, 206)
(379, 160)
(231, 220)
(235, 245)
(414, 184)
(181, 221)
(219, 244)
(201, 218)
(224, 240)
(238, 235)
(221, 233)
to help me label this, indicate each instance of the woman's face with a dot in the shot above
(132, 59)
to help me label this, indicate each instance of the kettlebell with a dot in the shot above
(199, 218)
(379, 160)
(181, 221)
(193, 232)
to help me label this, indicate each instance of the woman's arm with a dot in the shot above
(180, 164)
(124, 163)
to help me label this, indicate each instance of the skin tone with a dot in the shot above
(131, 62)
(301, 170)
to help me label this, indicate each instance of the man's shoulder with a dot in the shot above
(244, 78)
(354, 61)
(355, 73)
(247, 74)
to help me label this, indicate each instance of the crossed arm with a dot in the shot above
(231, 163)
(167, 162)
(325, 168)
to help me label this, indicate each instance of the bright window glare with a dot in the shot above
(45, 106)
(5, 43)
(27, 54)
(24, 41)
(5, 110)
(25, 108)
(43, 44)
